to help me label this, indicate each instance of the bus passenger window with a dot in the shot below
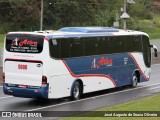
(137, 44)
(90, 46)
(103, 45)
(65, 48)
(54, 47)
(116, 45)
(146, 51)
(77, 47)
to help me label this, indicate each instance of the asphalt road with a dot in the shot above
(89, 102)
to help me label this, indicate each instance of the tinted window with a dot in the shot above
(103, 45)
(132, 43)
(91, 46)
(137, 44)
(77, 47)
(126, 41)
(65, 48)
(146, 51)
(116, 45)
(24, 43)
(122, 44)
(54, 47)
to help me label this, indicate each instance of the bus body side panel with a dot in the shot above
(115, 67)
(139, 61)
(96, 83)
(96, 72)
(107, 71)
(60, 80)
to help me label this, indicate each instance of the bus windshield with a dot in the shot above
(24, 43)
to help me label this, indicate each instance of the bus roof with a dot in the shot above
(78, 32)
(88, 29)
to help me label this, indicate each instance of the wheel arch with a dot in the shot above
(137, 73)
(81, 85)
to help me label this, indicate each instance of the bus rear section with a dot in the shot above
(23, 66)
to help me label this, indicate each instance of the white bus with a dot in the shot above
(73, 61)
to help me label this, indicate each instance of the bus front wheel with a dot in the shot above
(76, 91)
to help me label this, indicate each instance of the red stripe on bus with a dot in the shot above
(138, 67)
(88, 75)
(13, 59)
(47, 39)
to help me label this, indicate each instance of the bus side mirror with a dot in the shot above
(155, 50)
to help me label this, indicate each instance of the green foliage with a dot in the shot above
(1, 40)
(19, 14)
(145, 104)
(22, 15)
(69, 13)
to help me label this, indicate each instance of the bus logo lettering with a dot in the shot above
(24, 42)
(22, 67)
(15, 41)
(28, 42)
(103, 61)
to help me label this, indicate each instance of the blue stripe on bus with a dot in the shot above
(118, 67)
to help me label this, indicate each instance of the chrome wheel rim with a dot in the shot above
(134, 81)
(76, 91)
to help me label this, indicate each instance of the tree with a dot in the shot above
(25, 14)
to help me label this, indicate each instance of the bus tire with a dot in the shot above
(134, 81)
(76, 91)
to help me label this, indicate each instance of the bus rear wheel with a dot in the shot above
(134, 81)
(76, 91)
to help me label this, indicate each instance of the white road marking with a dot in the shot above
(89, 98)
(155, 65)
(155, 88)
(5, 97)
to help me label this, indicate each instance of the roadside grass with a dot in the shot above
(154, 33)
(1, 40)
(151, 103)
(153, 30)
